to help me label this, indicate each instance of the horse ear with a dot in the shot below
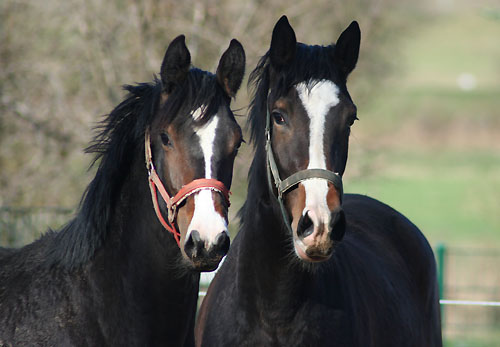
(176, 62)
(283, 44)
(231, 68)
(347, 48)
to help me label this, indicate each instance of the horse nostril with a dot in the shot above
(305, 227)
(337, 224)
(193, 244)
(222, 242)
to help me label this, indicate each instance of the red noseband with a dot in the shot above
(173, 203)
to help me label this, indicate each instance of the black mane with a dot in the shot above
(119, 136)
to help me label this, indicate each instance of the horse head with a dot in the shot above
(309, 115)
(190, 150)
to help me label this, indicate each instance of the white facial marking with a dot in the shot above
(317, 102)
(205, 219)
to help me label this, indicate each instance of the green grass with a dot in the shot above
(425, 97)
(428, 148)
(437, 103)
(451, 44)
(452, 196)
(489, 339)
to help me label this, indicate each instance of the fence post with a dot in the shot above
(441, 254)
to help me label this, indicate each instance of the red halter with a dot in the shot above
(173, 203)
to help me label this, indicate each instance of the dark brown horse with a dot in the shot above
(114, 275)
(311, 266)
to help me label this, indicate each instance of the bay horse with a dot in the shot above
(125, 270)
(311, 266)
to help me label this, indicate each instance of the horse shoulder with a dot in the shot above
(400, 240)
(373, 216)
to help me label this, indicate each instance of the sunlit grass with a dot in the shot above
(451, 44)
(449, 195)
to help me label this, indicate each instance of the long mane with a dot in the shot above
(118, 137)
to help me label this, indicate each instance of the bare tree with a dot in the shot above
(63, 62)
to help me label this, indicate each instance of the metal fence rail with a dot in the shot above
(469, 283)
(469, 302)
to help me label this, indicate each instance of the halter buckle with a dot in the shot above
(150, 167)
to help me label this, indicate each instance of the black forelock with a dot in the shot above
(119, 136)
(199, 88)
(137, 112)
(310, 63)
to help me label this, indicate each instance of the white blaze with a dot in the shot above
(205, 219)
(317, 102)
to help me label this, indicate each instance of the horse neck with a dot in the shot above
(135, 227)
(137, 245)
(140, 265)
(266, 254)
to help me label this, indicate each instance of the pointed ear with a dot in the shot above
(347, 48)
(176, 62)
(283, 44)
(231, 68)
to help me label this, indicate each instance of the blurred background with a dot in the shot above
(427, 87)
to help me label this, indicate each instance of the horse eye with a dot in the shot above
(278, 118)
(165, 139)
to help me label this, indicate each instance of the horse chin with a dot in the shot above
(205, 265)
(302, 254)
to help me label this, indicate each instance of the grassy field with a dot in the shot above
(431, 149)
(449, 195)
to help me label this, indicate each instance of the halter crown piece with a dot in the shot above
(273, 175)
(174, 202)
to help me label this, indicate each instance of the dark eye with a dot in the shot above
(165, 139)
(278, 117)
